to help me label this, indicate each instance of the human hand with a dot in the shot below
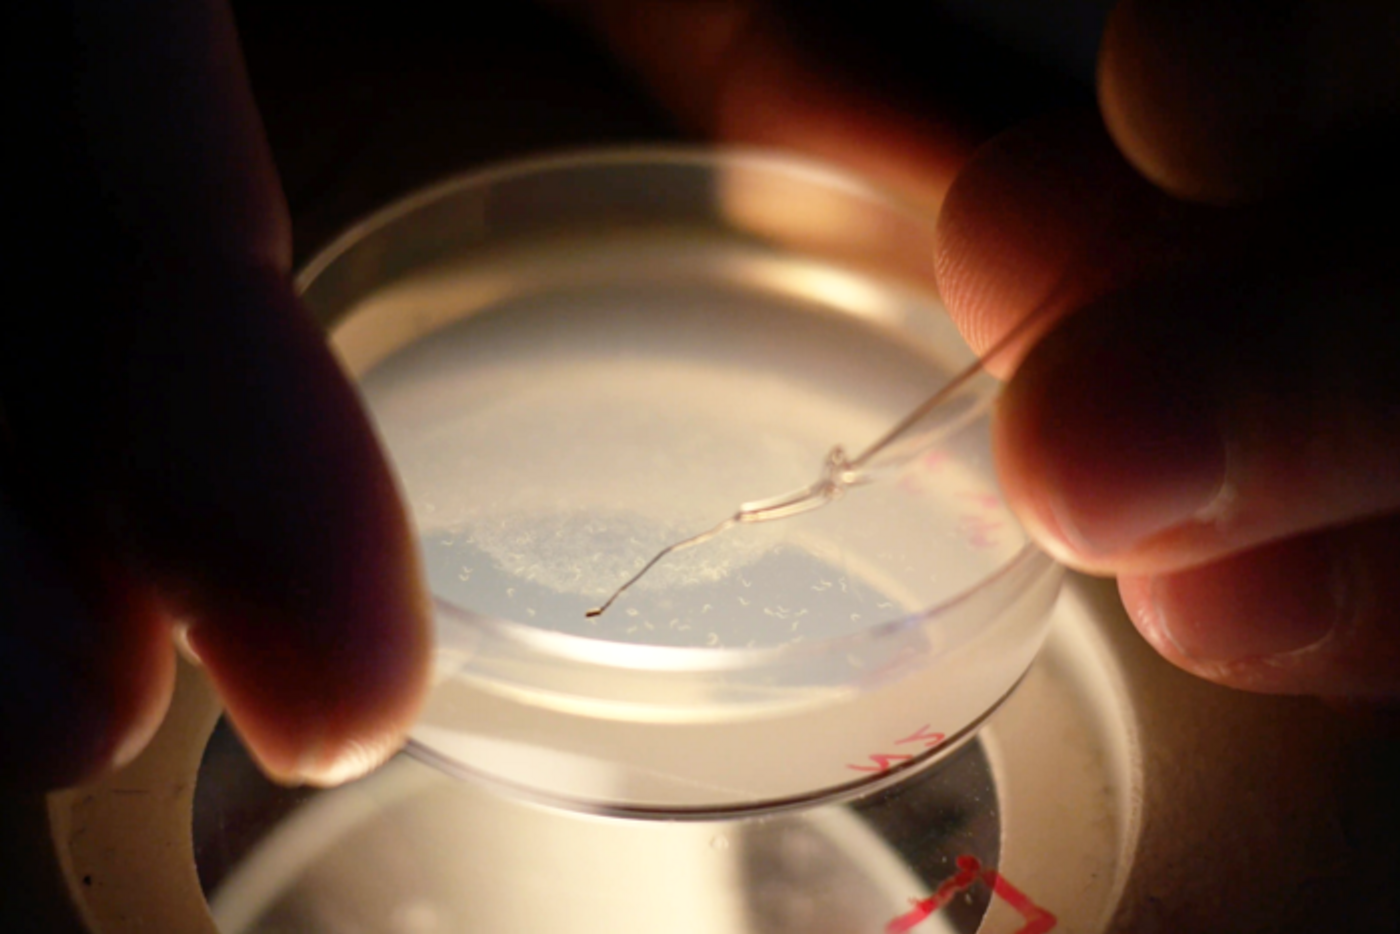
(1216, 418)
(177, 445)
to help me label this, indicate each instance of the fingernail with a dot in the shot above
(1268, 602)
(1130, 449)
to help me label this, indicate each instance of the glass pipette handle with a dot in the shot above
(960, 402)
(955, 405)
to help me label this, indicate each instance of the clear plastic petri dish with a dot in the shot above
(575, 361)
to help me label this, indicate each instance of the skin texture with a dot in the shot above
(1211, 411)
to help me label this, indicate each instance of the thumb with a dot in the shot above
(176, 418)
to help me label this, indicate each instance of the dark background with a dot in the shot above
(362, 105)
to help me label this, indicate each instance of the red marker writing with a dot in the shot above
(1038, 920)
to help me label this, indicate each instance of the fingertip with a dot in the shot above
(1026, 226)
(147, 667)
(1021, 478)
(321, 698)
(253, 489)
(1234, 102)
(315, 759)
(1231, 627)
(1306, 615)
(1109, 444)
(1135, 590)
(224, 453)
(1187, 106)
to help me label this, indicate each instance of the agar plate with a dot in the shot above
(574, 362)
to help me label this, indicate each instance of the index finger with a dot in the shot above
(183, 414)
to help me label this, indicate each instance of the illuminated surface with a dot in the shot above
(412, 851)
(1047, 795)
(549, 444)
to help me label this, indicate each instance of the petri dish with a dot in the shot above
(575, 361)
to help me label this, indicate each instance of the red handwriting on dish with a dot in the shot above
(982, 502)
(980, 532)
(982, 524)
(1038, 920)
(883, 760)
(984, 519)
(931, 463)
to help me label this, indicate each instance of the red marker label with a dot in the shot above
(881, 761)
(1038, 920)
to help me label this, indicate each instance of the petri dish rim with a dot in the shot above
(648, 156)
(846, 793)
(1029, 563)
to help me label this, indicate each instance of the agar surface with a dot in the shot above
(838, 473)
